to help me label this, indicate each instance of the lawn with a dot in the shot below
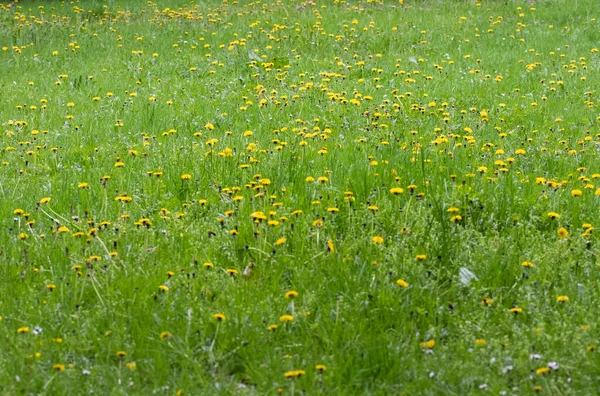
(320, 197)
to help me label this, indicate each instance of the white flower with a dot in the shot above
(37, 330)
(553, 365)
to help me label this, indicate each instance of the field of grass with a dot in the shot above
(328, 197)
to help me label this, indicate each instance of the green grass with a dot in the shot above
(487, 111)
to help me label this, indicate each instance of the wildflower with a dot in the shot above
(186, 176)
(164, 335)
(377, 239)
(487, 301)
(286, 318)
(396, 190)
(527, 264)
(280, 241)
(320, 368)
(22, 330)
(58, 367)
(121, 354)
(51, 287)
(131, 366)
(562, 232)
(208, 265)
(576, 193)
(421, 257)
(330, 246)
(553, 215)
(232, 272)
(427, 344)
(294, 374)
(272, 327)
(163, 288)
(562, 299)
(219, 317)
(45, 200)
(542, 370)
(480, 342)
(291, 294)
(516, 310)
(402, 283)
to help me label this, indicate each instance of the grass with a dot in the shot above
(397, 166)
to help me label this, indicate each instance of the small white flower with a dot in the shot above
(553, 365)
(535, 356)
(483, 386)
(37, 330)
(507, 369)
(431, 374)
(86, 372)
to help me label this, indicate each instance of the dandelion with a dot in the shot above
(576, 193)
(402, 283)
(396, 191)
(164, 335)
(131, 366)
(280, 241)
(22, 330)
(294, 374)
(163, 288)
(51, 287)
(553, 215)
(186, 177)
(562, 232)
(542, 370)
(286, 318)
(121, 354)
(562, 299)
(330, 246)
(58, 367)
(421, 257)
(515, 310)
(377, 239)
(232, 272)
(208, 265)
(219, 317)
(45, 200)
(320, 368)
(527, 264)
(272, 327)
(427, 344)
(291, 294)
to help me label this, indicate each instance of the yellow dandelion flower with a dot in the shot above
(377, 239)
(402, 283)
(219, 317)
(562, 299)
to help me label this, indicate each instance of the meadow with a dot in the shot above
(285, 197)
